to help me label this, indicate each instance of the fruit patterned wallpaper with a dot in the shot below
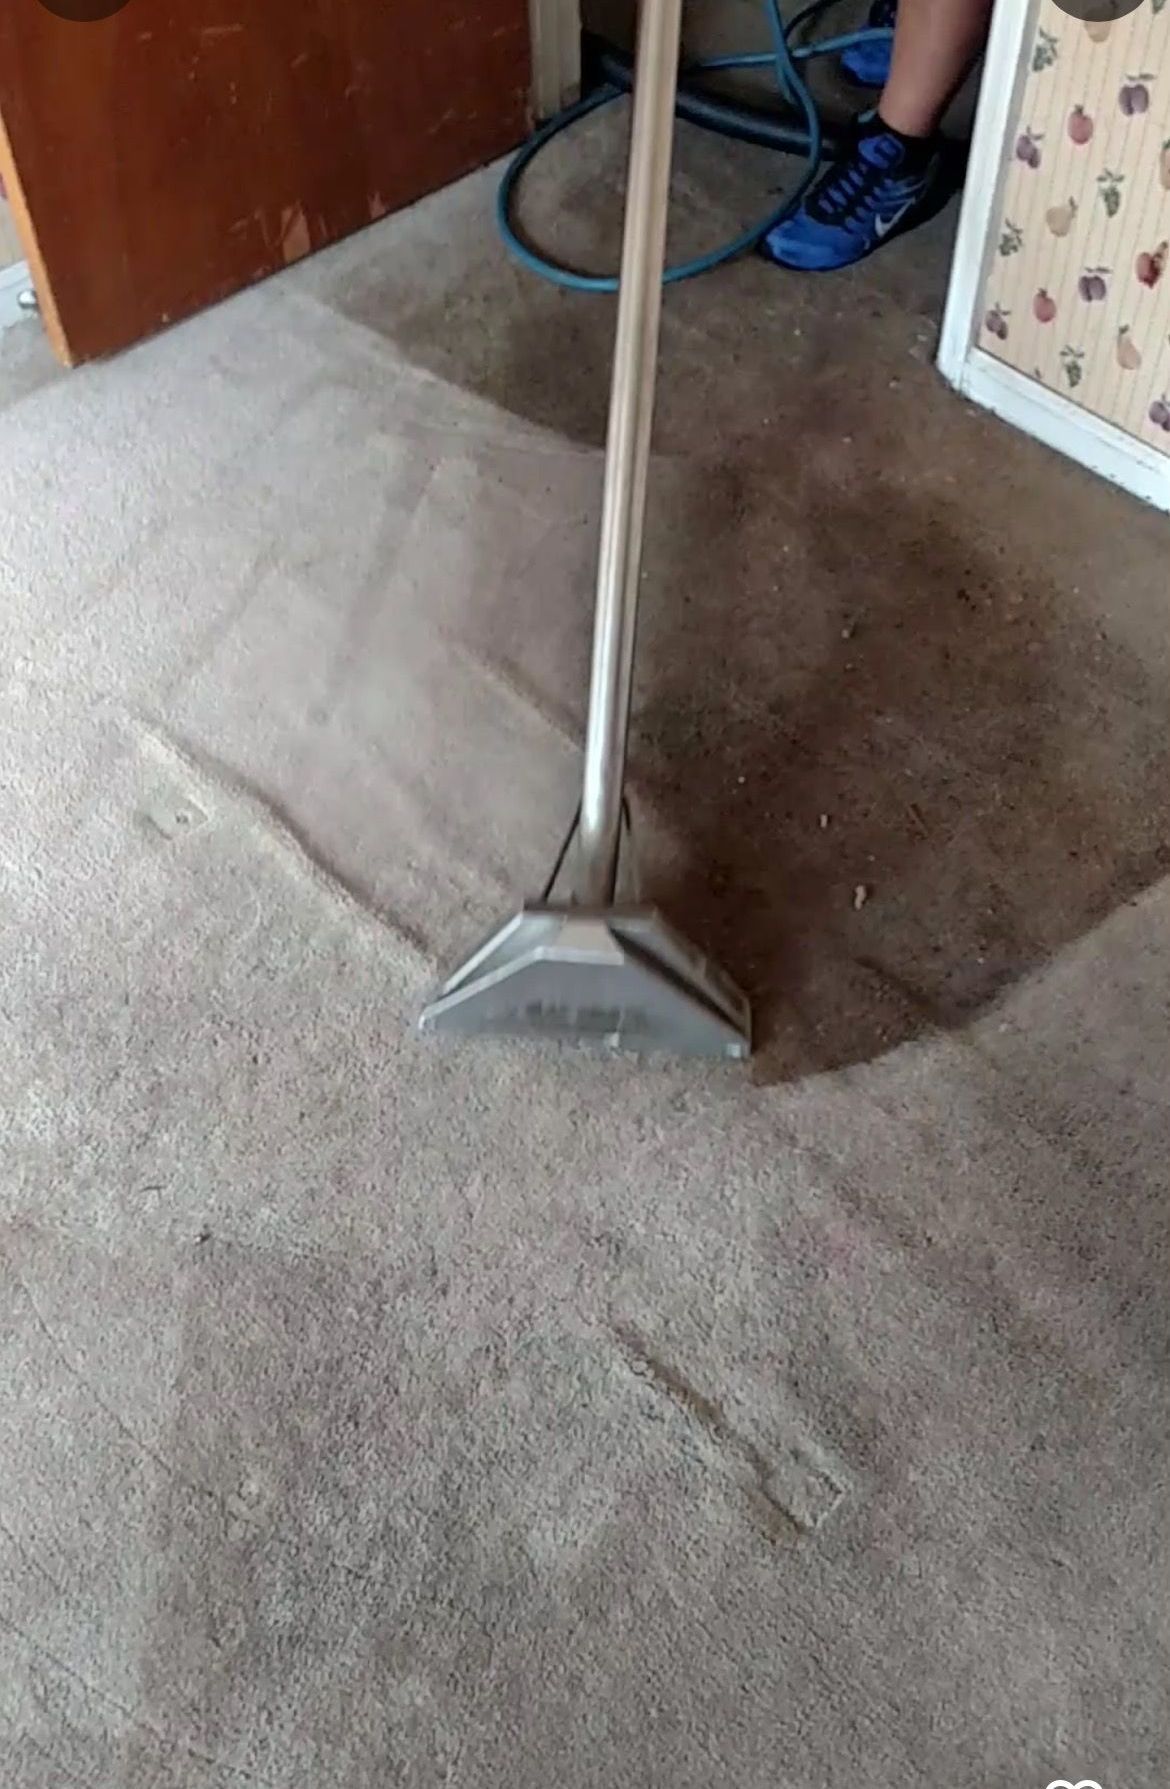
(1077, 292)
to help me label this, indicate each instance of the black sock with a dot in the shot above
(916, 151)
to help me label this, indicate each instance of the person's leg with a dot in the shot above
(935, 44)
(893, 175)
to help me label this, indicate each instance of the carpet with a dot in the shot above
(375, 1412)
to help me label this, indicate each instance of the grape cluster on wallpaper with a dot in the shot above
(1077, 292)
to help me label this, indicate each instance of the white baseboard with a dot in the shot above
(1111, 452)
(13, 281)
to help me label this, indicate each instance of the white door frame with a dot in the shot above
(556, 54)
(1101, 446)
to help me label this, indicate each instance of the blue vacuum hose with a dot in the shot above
(807, 136)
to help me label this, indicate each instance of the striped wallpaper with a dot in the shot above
(1077, 290)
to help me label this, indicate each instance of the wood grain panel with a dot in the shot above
(170, 154)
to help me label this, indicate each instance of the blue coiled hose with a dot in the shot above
(784, 58)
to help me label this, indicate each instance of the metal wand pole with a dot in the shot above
(627, 449)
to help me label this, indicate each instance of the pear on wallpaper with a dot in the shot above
(1150, 266)
(1128, 353)
(1164, 165)
(1060, 218)
(1097, 30)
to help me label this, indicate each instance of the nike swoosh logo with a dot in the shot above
(883, 225)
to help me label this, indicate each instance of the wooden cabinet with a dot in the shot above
(160, 158)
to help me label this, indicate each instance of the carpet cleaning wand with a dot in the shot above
(592, 969)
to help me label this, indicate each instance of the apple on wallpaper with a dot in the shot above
(1080, 126)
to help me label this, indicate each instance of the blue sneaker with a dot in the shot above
(868, 64)
(883, 185)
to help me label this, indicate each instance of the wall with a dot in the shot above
(719, 27)
(709, 28)
(1076, 294)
